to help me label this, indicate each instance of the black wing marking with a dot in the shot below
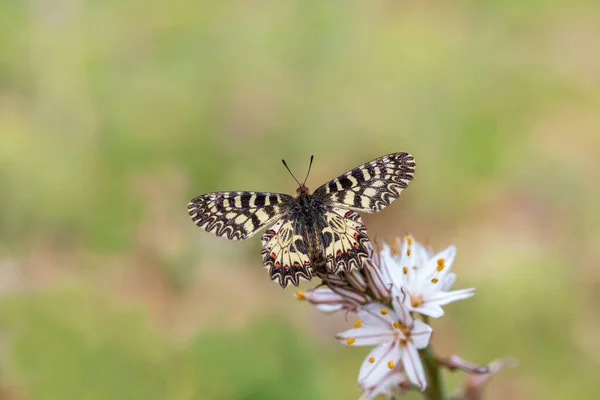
(372, 186)
(236, 215)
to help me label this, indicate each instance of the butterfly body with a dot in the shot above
(312, 230)
(308, 215)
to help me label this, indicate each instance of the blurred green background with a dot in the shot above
(113, 114)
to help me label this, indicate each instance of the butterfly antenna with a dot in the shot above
(309, 165)
(288, 168)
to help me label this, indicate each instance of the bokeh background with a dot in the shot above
(113, 114)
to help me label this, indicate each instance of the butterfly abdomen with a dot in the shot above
(308, 214)
(314, 241)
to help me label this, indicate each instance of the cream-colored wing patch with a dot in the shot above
(345, 239)
(285, 254)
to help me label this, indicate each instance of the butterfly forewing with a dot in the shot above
(236, 215)
(371, 186)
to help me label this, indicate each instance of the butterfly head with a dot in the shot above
(302, 189)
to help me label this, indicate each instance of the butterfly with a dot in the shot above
(312, 230)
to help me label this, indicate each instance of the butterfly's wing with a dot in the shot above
(367, 188)
(237, 215)
(345, 240)
(285, 253)
(370, 187)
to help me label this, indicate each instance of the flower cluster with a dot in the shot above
(399, 284)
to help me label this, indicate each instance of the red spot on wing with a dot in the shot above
(348, 214)
(339, 253)
(270, 232)
(356, 245)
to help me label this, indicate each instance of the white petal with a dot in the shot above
(329, 308)
(400, 295)
(385, 255)
(402, 312)
(376, 314)
(411, 277)
(388, 384)
(366, 336)
(321, 294)
(448, 254)
(447, 282)
(372, 372)
(420, 334)
(413, 366)
(421, 255)
(405, 246)
(429, 309)
(391, 270)
(429, 250)
(442, 298)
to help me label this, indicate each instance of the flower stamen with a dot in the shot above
(440, 264)
(416, 301)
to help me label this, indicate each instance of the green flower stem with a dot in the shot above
(435, 384)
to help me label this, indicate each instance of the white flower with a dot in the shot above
(390, 384)
(421, 279)
(397, 336)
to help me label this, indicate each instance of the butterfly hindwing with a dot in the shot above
(285, 254)
(372, 186)
(236, 215)
(346, 241)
